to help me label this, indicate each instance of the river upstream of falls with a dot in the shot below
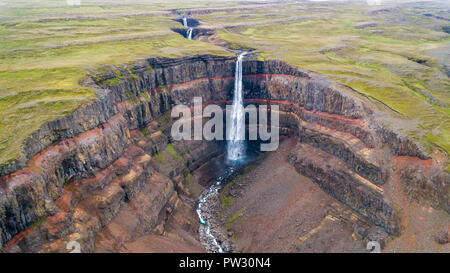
(189, 31)
(236, 158)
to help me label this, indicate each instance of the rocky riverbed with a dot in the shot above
(211, 232)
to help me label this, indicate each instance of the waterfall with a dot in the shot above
(189, 31)
(236, 137)
(209, 231)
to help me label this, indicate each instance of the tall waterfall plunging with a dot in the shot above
(185, 22)
(237, 156)
(236, 132)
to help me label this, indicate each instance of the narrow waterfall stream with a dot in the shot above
(236, 137)
(235, 159)
(189, 31)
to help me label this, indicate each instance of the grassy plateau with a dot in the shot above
(396, 54)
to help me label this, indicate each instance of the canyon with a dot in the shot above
(110, 177)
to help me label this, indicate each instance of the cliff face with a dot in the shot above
(112, 162)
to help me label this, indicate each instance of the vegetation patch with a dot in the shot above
(226, 200)
(238, 216)
(173, 153)
(47, 50)
(42, 62)
(193, 186)
(393, 65)
(160, 157)
(38, 222)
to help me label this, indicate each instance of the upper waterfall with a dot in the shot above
(236, 130)
(185, 22)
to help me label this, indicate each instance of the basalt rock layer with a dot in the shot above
(110, 172)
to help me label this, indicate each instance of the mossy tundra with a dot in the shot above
(47, 50)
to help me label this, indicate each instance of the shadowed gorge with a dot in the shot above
(83, 185)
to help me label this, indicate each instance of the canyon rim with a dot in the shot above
(333, 137)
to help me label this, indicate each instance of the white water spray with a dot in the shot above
(189, 33)
(185, 22)
(236, 137)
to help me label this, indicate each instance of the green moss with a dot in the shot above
(168, 154)
(193, 186)
(390, 67)
(38, 222)
(226, 200)
(235, 217)
(131, 74)
(131, 96)
(160, 157)
(43, 62)
(173, 153)
(165, 88)
(146, 96)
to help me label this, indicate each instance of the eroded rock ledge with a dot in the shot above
(109, 173)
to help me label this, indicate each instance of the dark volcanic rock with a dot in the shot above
(441, 237)
(79, 171)
(334, 178)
